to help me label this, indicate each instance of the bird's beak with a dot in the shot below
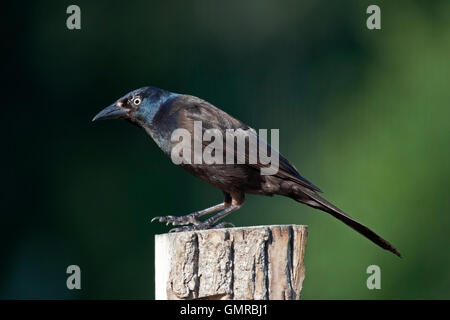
(112, 112)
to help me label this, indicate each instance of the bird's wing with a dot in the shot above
(190, 109)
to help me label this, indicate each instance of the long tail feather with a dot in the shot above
(322, 204)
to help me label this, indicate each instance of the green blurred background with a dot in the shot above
(362, 114)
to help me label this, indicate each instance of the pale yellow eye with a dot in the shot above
(137, 101)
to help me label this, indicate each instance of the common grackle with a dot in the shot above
(160, 112)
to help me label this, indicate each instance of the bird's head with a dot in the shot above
(138, 106)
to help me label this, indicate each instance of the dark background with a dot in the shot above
(362, 114)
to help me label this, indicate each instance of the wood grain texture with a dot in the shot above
(251, 263)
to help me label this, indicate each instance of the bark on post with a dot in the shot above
(264, 262)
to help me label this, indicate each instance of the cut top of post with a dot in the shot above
(247, 263)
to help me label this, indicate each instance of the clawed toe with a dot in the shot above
(182, 229)
(191, 222)
(223, 225)
(167, 219)
(176, 221)
(202, 226)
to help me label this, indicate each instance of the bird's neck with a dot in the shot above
(147, 115)
(147, 121)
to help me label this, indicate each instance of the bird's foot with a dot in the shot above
(223, 225)
(178, 221)
(185, 228)
(202, 226)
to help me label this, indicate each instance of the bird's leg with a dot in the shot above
(231, 204)
(211, 222)
(190, 218)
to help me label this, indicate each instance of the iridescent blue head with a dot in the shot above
(138, 106)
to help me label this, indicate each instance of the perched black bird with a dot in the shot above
(160, 112)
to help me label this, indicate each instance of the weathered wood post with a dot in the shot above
(264, 262)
